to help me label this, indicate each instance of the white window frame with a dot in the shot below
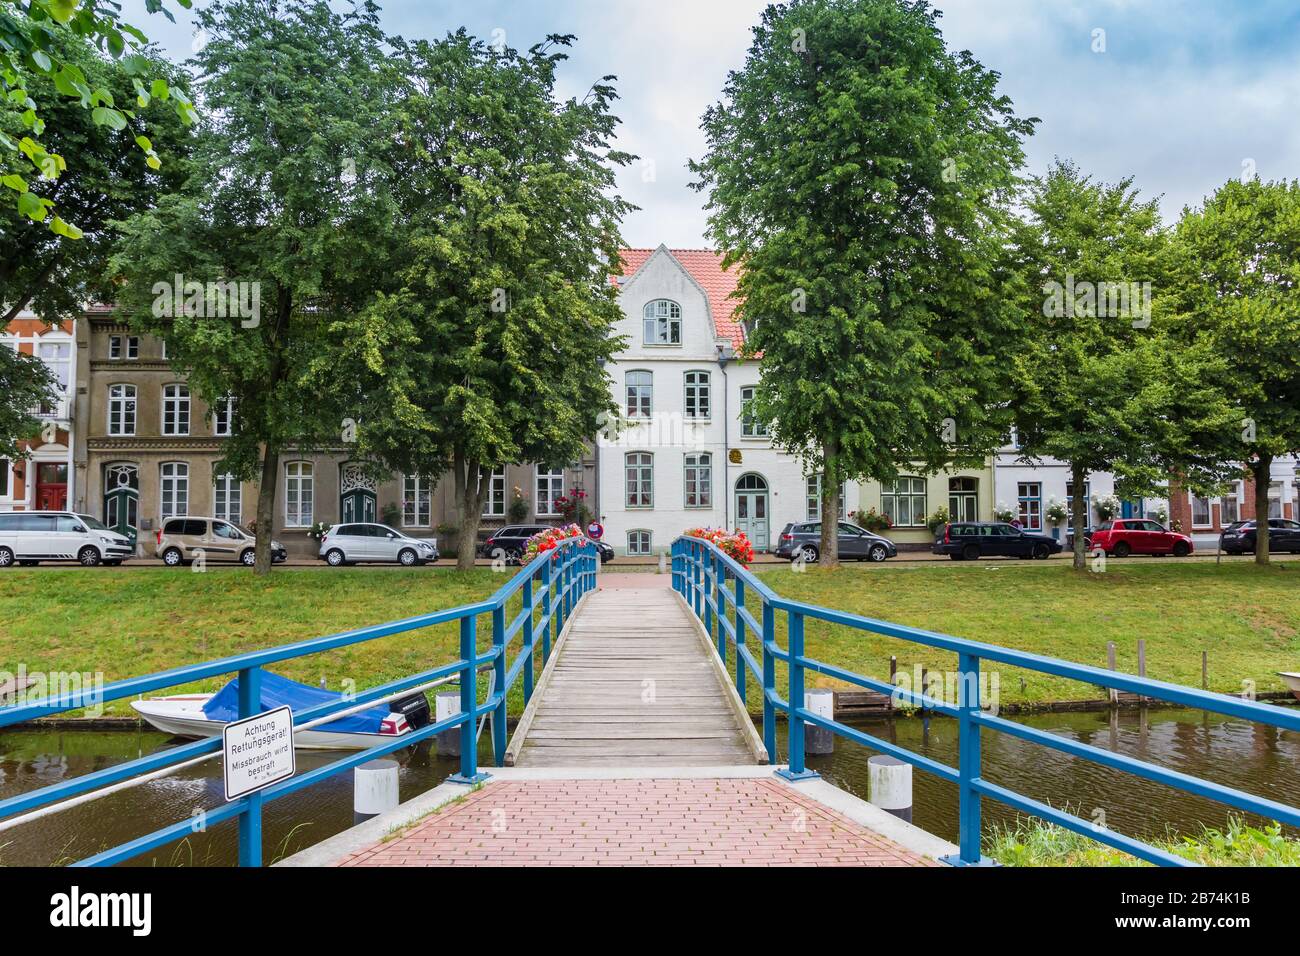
(227, 498)
(1276, 491)
(813, 499)
(60, 366)
(661, 323)
(639, 404)
(173, 489)
(299, 494)
(637, 535)
(223, 417)
(115, 348)
(748, 427)
(547, 486)
(417, 501)
(905, 487)
(6, 478)
(697, 480)
(123, 406)
(1192, 499)
(956, 497)
(494, 504)
(698, 386)
(176, 406)
(639, 480)
(132, 348)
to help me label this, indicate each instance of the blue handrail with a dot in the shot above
(700, 574)
(570, 571)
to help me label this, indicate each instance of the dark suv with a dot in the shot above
(805, 540)
(969, 540)
(1283, 535)
(512, 540)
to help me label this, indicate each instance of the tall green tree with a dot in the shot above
(34, 37)
(1097, 382)
(25, 382)
(491, 350)
(1237, 293)
(281, 224)
(860, 173)
(104, 182)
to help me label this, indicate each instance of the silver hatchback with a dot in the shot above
(363, 541)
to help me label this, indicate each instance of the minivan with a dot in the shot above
(368, 541)
(181, 539)
(30, 537)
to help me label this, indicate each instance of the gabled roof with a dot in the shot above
(705, 267)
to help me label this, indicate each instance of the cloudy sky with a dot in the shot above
(1181, 94)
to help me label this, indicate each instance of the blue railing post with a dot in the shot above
(469, 772)
(968, 758)
(499, 685)
(250, 821)
(740, 638)
(708, 574)
(546, 611)
(527, 649)
(720, 602)
(697, 577)
(796, 770)
(769, 680)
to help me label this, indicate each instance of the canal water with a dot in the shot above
(1259, 760)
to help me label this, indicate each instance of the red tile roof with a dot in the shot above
(705, 267)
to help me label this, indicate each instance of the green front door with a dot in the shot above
(359, 504)
(752, 510)
(122, 500)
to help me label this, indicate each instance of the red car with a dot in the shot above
(1125, 536)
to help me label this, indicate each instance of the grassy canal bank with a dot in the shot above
(127, 624)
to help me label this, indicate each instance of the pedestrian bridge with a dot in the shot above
(634, 744)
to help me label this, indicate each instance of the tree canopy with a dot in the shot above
(490, 350)
(278, 232)
(861, 173)
(25, 382)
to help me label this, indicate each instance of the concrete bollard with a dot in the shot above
(445, 706)
(374, 789)
(889, 785)
(819, 740)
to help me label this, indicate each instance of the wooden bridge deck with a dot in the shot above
(633, 685)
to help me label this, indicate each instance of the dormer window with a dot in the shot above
(663, 322)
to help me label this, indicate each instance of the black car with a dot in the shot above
(970, 540)
(805, 540)
(1283, 535)
(512, 540)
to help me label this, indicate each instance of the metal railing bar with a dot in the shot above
(1173, 778)
(919, 700)
(1143, 851)
(943, 771)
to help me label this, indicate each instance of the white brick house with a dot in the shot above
(684, 456)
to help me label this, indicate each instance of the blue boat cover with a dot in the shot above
(279, 691)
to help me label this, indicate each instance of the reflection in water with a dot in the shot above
(1256, 759)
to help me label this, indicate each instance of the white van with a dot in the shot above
(30, 537)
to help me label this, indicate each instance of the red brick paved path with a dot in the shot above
(751, 822)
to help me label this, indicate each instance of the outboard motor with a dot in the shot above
(414, 708)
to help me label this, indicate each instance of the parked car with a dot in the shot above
(181, 539)
(971, 540)
(1125, 536)
(804, 540)
(30, 537)
(1283, 535)
(605, 551)
(510, 541)
(366, 541)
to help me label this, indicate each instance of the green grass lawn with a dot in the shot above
(1247, 618)
(136, 622)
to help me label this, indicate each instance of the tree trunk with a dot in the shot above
(1078, 517)
(830, 546)
(266, 508)
(1261, 468)
(470, 485)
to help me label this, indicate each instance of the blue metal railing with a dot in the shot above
(562, 577)
(700, 575)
